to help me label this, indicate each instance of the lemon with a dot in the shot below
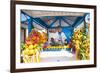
(32, 52)
(34, 46)
(25, 52)
(31, 47)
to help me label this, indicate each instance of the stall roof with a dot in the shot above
(36, 13)
(51, 19)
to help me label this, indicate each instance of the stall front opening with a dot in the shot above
(54, 36)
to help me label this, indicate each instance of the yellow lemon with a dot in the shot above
(31, 47)
(25, 52)
(34, 46)
(32, 52)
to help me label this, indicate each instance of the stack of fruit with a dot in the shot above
(32, 46)
(81, 42)
(56, 47)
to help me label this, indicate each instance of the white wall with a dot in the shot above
(5, 36)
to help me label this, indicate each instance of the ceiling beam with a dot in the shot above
(40, 22)
(66, 21)
(37, 20)
(53, 22)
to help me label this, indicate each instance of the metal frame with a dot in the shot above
(60, 18)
